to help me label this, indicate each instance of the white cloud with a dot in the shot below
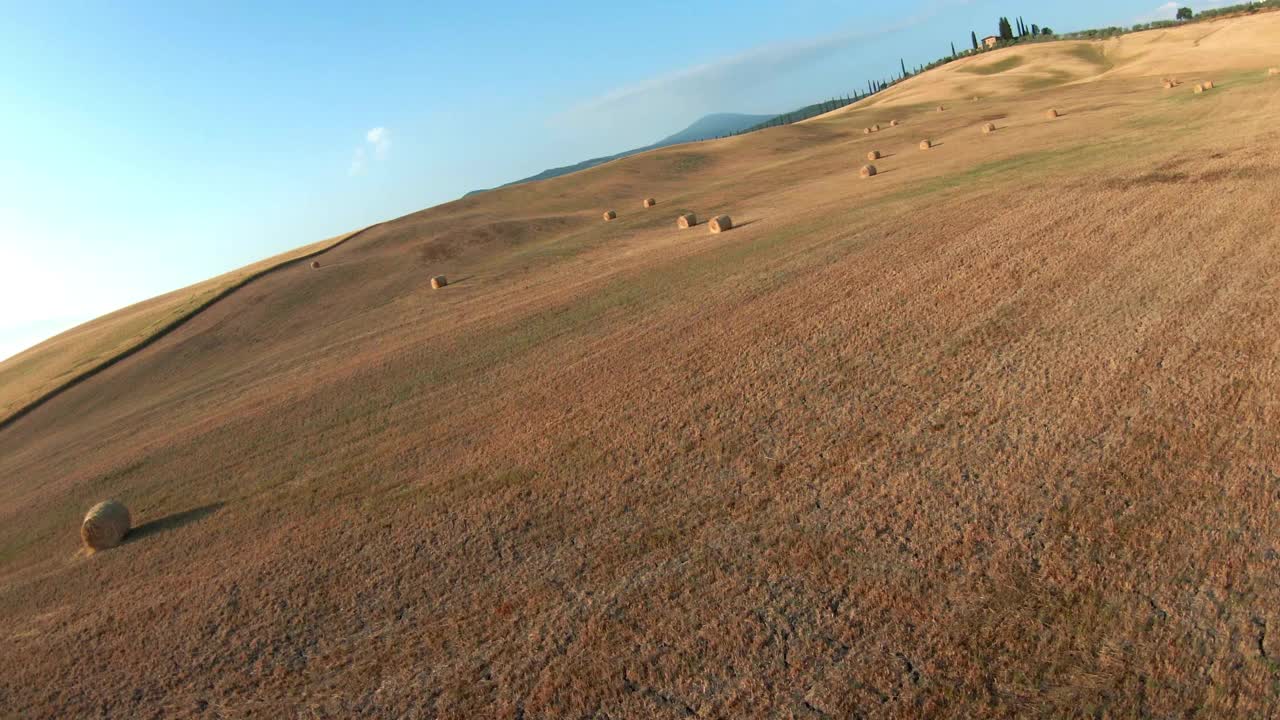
(379, 140)
(357, 162)
(699, 84)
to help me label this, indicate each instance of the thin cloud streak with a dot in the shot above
(750, 68)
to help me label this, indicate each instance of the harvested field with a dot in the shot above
(996, 434)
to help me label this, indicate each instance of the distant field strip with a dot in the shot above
(38, 391)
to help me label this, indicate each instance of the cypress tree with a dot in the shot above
(904, 66)
(974, 36)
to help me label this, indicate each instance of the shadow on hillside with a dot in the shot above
(173, 521)
(461, 280)
(744, 223)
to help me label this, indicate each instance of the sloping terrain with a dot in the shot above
(80, 351)
(708, 126)
(994, 433)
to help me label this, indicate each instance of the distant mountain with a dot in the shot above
(705, 128)
(712, 126)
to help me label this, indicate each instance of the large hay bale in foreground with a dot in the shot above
(720, 223)
(867, 171)
(686, 221)
(988, 128)
(926, 144)
(105, 525)
(873, 155)
(1051, 113)
(650, 202)
(609, 215)
(438, 282)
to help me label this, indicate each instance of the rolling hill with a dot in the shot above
(993, 433)
(706, 127)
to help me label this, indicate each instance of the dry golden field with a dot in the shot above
(993, 433)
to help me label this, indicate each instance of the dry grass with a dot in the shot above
(993, 436)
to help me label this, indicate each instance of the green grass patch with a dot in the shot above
(995, 68)
(1051, 78)
(1092, 54)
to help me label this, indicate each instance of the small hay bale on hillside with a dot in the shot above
(609, 215)
(873, 155)
(1273, 71)
(867, 171)
(438, 282)
(866, 131)
(1051, 113)
(942, 108)
(720, 223)
(686, 221)
(875, 128)
(1199, 88)
(1208, 84)
(988, 128)
(105, 525)
(650, 202)
(926, 144)
(315, 264)
(1168, 85)
(893, 123)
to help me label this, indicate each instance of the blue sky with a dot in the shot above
(153, 145)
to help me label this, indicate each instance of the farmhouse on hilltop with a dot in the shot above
(990, 41)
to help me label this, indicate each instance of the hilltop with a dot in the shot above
(992, 433)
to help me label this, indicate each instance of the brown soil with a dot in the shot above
(996, 435)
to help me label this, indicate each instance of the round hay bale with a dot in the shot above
(873, 155)
(942, 108)
(720, 223)
(866, 131)
(438, 282)
(926, 144)
(609, 215)
(1051, 113)
(867, 171)
(650, 202)
(1273, 71)
(686, 221)
(875, 128)
(105, 525)
(893, 123)
(1199, 88)
(315, 264)
(988, 128)
(1208, 84)
(1168, 85)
